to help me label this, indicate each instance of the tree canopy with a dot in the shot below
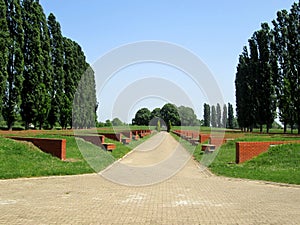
(267, 74)
(40, 69)
(142, 117)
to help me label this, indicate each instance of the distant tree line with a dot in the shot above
(40, 70)
(267, 78)
(169, 115)
(213, 116)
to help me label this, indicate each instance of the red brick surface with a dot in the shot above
(203, 137)
(96, 140)
(216, 141)
(116, 137)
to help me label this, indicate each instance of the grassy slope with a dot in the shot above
(22, 159)
(278, 164)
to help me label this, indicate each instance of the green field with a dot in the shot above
(23, 159)
(278, 164)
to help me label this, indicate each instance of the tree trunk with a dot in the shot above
(260, 128)
(284, 127)
(26, 126)
(10, 127)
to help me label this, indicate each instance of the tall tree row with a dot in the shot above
(39, 68)
(268, 74)
(215, 117)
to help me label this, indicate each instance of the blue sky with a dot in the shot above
(215, 31)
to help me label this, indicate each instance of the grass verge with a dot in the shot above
(278, 164)
(23, 159)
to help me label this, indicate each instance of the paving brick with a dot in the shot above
(192, 196)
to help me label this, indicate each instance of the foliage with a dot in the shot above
(219, 115)
(158, 126)
(40, 69)
(268, 75)
(155, 113)
(206, 115)
(4, 40)
(170, 115)
(58, 76)
(117, 122)
(230, 116)
(224, 116)
(187, 116)
(142, 117)
(15, 63)
(85, 101)
(213, 117)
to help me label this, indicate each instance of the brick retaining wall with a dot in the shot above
(55, 147)
(247, 150)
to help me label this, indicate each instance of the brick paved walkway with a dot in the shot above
(192, 196)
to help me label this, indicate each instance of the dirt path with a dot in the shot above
(191, 196)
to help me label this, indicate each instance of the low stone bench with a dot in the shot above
(208, 148)
(126, 141)
(188, 138)
(194, 141)
(136, 137)
(109, 146)
(98, 140)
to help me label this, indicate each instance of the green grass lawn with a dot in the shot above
(279, 164)
(23, 159)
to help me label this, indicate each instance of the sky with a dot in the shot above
(214, 31)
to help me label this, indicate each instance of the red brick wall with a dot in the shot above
(96, 140)
(247, 150)
(128, 134)
(55, 147)
(203, 137)
(216, 141)
(116, 137)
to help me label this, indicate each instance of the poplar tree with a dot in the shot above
(286, 48)
(15, 67)
(224, 116)
(4, 40)
(230, 116)
(58, 78)
(38, 69)
(219, 115)
(294, 56)
(213, 116)
(85, 101)
(265, 98)
(206, 116)
(243, 93)
(282, 84)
